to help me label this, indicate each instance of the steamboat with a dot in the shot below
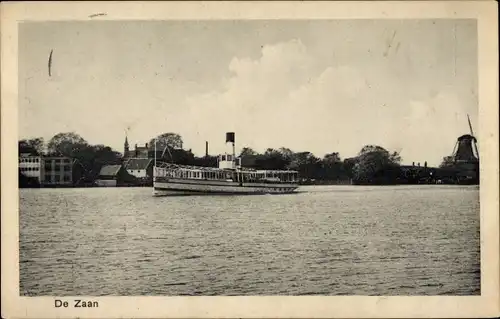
(228, 178)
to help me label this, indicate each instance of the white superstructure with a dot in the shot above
(228, 178)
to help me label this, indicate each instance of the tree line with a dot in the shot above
(372, 165)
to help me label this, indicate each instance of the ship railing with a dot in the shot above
(205, 168)
(244, 175)
(170, 166)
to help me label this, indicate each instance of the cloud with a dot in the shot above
(277, 100)
(433, 126)
(286, 98)
(306, 93)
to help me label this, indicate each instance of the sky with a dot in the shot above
(310, 85)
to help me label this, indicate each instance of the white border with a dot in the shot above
(488, 304)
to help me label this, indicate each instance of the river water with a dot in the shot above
(325, 240)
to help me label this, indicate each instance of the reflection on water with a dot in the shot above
(327, 240)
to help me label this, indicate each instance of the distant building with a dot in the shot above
(114, 175)
(137, 152)
(31, 166)
(56, 171)
(141, 168)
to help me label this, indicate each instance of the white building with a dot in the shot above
(31, 166)
(47, 170)
(140, 167)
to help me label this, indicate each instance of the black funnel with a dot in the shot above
(230, 137)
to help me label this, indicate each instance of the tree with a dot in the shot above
(172, 140)
(272, 159)
(332, 158)
(286, 153)
(308, 165)
(395, 158)
(375, 165)
(205, 161)
(93, 157)
(332, 167)
(348, 166)
(372, 148)
(34, 146)
(66, 144)
(247, 151)
(105, 154)
(447, 162)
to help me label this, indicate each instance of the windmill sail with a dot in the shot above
(475, 140)
(470, 125)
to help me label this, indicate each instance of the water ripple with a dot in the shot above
(328, 240)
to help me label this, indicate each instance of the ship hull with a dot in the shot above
(193, 187)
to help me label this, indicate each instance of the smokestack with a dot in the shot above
(206, 149)
(230, 137)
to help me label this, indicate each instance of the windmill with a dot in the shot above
(465, 150)
(466, 158)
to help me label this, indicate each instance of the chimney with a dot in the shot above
(146, 145)
(230, 139)
(206, 149)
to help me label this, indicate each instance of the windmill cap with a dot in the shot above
(467, 137)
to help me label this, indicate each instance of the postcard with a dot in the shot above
(250, 159)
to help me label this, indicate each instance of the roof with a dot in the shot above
(110, 170)
(467, 137)
(138, 163)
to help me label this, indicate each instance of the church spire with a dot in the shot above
(126, 146)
